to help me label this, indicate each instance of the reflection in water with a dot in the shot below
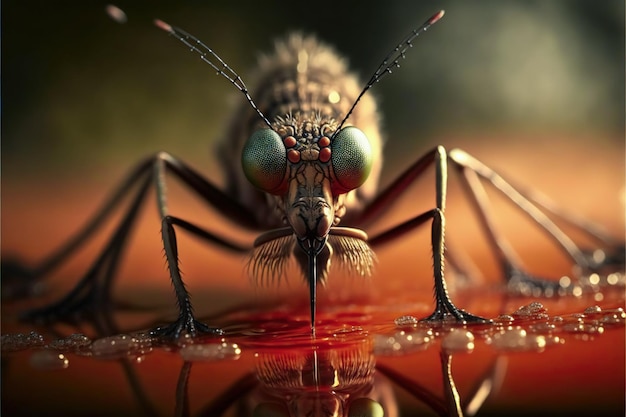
(340, 372)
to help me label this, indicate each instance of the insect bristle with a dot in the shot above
(354, 254)
(268, 260)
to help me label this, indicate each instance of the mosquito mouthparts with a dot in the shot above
(163, 26)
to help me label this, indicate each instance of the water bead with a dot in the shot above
(21, 341)
(517, 339)
(72, 342)
(402, 342)
(504, 319)
(534, 310)
(592, 310)
(48, 360)
(406, 321)
(120, 346)
(458, 340)
(210, 351)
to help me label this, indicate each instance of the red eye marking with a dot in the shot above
(289, 141)
(323, 141)
(293, 156)
(325, 154)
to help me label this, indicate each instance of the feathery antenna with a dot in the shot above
(392, 61)
(208, 56)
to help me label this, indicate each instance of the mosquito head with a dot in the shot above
(309, 172)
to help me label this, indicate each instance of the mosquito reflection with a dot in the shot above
(324, 379)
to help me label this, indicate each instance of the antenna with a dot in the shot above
(207, 55)
(392, 60)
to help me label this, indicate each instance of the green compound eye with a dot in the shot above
(264, 160)
(351, 159)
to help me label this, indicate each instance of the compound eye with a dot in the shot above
(264, 160)
(351, 159)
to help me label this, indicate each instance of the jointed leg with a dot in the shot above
(533, 206)
(92, 292)
(91, 295)
(444, 308)
(13, 270)
(518, 279)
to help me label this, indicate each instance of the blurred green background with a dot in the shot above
(82, 93)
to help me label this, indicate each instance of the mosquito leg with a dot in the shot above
(611, 253)
(450, 393)
(425, 395)
(90, 296)
(186, 321)
(231, 209)
(514, 272)
(486, 387)
(444, 308)
(518, 279)
(27, 278)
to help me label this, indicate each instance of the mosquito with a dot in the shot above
(311, 156)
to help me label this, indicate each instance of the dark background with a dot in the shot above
(81, 93)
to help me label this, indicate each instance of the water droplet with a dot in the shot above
(518, 339)
(405, 321)
(593, 310)
(122, 345)
(21, 341)
(616, 316)
(74, 341)
(534, 310)
(403, 342)
(48, 360)
(542, 327)
(504, 319)
(583, 328)
(210, 351)
(458, 340)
